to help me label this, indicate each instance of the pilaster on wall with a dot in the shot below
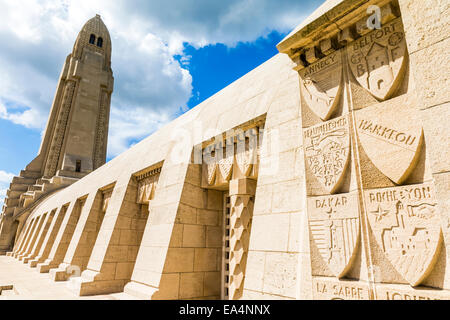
(83, 239)
(20, 243)
(63, 237)
(50, 237)
(114, 254)
(180, 254)
(31, 238)
(8, 230)
(242, 197)
(41, 236)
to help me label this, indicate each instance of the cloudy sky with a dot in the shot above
(168, 56)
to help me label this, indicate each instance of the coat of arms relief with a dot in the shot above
(404, 219)
(406, 225)
(321, 85)
(334, 224)
(378, 59)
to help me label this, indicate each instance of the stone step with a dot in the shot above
(22, 180)
(18, 187)
(63, 181)
(13, 194)
(26, 199)
(49, 187)
(11, 202)
(8, 210)
(30, 174)
(43, 181)
(36, 187)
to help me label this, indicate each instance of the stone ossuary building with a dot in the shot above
(322, 174)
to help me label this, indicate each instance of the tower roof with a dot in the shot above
(96, 27)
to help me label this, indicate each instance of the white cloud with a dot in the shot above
(150, 85)
(5, 180)
(5, 177)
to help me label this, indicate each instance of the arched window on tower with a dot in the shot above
(100, 42)
(92, 39)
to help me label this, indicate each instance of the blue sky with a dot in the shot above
(168, 56)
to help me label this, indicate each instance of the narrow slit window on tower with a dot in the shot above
(78, 166)
(92, 39)
(100, 42)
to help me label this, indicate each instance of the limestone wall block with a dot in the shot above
(426, 22)
(270, 232)
(280, 274)
(255, 265)
(214, 236)
(191, 285)
(431, 67)
(437, 136)
(179, 260)
(205, 259)
(194, 236)
(211, 284)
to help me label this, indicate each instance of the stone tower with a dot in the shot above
(76, 135)
(75, 138)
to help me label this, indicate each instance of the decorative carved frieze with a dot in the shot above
(247, 151)
(100, 138)
(106, 197)
(60, 129)
(234, 157)
(373, 209)
(147, 183)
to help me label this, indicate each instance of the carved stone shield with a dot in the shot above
(406, 225)
(327, 148)
(335, 229)
(321, 85)
(378, 59)
(391, 138)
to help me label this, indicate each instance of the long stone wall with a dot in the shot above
(318, 175)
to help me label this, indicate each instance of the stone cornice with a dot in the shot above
(334, 29)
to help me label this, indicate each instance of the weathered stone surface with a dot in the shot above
(426, 22)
